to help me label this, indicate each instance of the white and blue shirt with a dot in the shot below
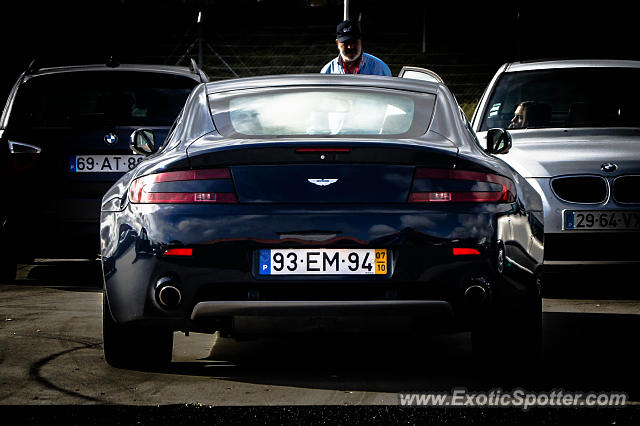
(369, 64)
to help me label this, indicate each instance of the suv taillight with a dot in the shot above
(189, 186)
(437, 186)
(23, 155)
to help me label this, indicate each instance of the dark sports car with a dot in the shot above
(323, 202)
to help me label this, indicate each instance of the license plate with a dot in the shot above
(609, 220)
(324, 262)
(103, 163)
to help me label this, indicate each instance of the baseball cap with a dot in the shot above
(347, 30)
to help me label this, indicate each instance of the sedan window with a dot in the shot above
(565, 98)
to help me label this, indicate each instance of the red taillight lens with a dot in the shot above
(461, 251)
(460, 197)
(179, 252)
(461, 186)
(142, 190)
(192, 175)
(188, 197)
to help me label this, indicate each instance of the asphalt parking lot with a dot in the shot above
(51, 355)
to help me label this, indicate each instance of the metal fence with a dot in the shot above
(270, 50)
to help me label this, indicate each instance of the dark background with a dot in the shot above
(464, 43)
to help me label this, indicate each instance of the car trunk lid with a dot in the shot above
(317, 172)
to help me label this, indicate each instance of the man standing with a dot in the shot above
(352, 60)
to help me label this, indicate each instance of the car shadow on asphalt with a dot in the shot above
(581, 353)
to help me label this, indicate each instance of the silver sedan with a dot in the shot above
(575, 127)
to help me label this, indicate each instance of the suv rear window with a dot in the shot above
(566, 98)
(113, 98)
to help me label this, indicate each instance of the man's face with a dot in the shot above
(350, 50)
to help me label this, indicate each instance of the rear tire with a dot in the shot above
(134, 347)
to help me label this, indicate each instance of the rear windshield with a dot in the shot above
(322, 112)
(120, 98)
(577, 97)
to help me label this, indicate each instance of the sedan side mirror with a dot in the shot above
(498, 141)
(143, 142)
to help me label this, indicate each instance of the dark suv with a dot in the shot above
(64, 140)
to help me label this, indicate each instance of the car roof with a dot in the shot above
(318, 79)
(163, 69)
(570, 63)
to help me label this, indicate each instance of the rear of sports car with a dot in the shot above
(265, 226)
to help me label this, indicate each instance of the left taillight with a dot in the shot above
(23, 155)
(450, 186)
(187, 186)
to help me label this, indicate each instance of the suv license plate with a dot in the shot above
(596, 219)
(323, 262)
(103, 163)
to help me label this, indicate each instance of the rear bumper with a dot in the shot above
(606, 274)
(590, 264)
(584, 248)
(561, 266)
(208, 302)
(220, 282)
(591, 280)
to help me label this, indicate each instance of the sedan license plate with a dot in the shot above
(596, 219)
(324, 262)
(103, 163)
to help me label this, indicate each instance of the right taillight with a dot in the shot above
(23, 155)
(188, 186)
(450, 186)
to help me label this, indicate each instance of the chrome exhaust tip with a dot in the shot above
(168, 294)
(476, 294)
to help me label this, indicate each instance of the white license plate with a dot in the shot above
(103, 163)
(596, 219)
(324, 262)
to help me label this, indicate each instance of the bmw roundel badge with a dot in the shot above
(110, 138)
(609, 167)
